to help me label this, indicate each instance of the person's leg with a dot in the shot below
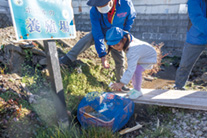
(137, 78)
(119, 63)
(119, 66)
(190, 55)
(83, 44)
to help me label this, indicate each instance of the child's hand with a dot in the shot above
(117, 86)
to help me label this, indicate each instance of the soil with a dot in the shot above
(164, 79)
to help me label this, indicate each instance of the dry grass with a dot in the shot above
(156, 67)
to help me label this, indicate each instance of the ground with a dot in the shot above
(20, 93)
(164, 79)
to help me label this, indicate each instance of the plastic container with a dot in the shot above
(91, 117)
(107, 110)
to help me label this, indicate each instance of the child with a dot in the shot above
(140, 56)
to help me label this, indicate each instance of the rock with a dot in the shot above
(12, 48)
(15, 62)
(38, 52)
(199, 133)
(27, 46)
(205, 129)
(33, 98)
(43, 61)
(173, 110)
(19, 42)
(204, 77)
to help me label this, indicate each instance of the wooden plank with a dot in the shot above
(173, 98)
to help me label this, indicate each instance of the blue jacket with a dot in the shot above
(197, 34)
(124, 18)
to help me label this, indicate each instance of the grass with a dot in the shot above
(161, 132)
(89, 77)
(73, 132)
(76, 85)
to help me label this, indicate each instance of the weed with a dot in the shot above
(161, 132)
(28, 54)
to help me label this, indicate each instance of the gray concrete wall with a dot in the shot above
(4, 21)
(5, 17)
(167, 28)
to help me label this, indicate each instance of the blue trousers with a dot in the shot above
(190, 55)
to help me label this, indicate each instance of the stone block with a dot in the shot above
(171, 30)
(154, 16)
(167, 23)
(157, 22)
(138, 35)
(139, 22)
(179, 44)
(178, 37)
(4, 21)
(143, 29)
(183, 16)
(146, 36)
(135, 28)
(182, 29)
(175, 37)
(163, 17)
(173, 16)
(153, 29)
(182, 37)
(148, 23)
(183, 23)
(164, 36)
(153, 36)
(169, 43)
(163, 29)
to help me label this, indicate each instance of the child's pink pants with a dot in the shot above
(137, 77)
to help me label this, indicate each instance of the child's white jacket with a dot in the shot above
(139, 52)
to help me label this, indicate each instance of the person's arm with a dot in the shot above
(132, 60)
(128, 74)
(131, 16)
(97, 33)
(196, 16)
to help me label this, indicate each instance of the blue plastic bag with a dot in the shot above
(105, 110)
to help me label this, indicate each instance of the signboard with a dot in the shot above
(43, 19)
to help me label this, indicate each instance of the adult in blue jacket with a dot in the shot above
(196, 41)
(104, 14)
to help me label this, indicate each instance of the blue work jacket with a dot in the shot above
(123, 18)
(197, 34)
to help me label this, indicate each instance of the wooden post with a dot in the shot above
(56, 81)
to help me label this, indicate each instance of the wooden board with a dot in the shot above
(173, 98)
